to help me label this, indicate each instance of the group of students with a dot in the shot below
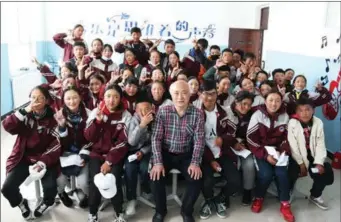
(201, 115)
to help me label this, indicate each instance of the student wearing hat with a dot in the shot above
(216, 158)
(37, 145)
(139, 133)
(130, 93)
(107, 130)
(306, 139)
(67, 40)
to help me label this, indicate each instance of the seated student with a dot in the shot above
(261, 76)
(247, 67)
(138, 47)
(268, 127)
(198, 51)
(130, 93)
(213, 57)
(51, 78)
(278, 76)
(71, 121)
(306, 139)
(226, 60)
(131, 61)
(139, 133)
(177, 142)
(194, 86)
(224, 99)
(37, 145)
(322, 96)
(104, 65)
(265, 87)
(158, 95)
(238, 55)
(67, 40)
(154, 62)
(97, 48)
(107, 130)
(215, 158)
(248, 85)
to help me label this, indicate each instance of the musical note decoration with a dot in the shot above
(327, 63)
(337, 60)
(324, 80)
(324, 42)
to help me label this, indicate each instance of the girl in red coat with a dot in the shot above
(37, 145)
(107, 130)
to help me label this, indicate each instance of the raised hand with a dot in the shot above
(35, 61)
(60, 118)
(146, 119)
(281, 90)
(100, 115)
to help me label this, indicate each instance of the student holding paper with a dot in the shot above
(268, 127)
(306, 139)
(37, 145)
(216, 154)
(71, 119)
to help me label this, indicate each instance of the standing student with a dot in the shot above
(96, 48)
(306, 139)
(261, 76)
(268, 127)
(131, 61)
(320, 97)
(177, 142)
(140, 131)
(198, 51)
(213, 56)
(67, 40)
(247, 67)
(278, 76)
(79, 52)
(135, 45)
(225, 60)
(130, 93)
(37, 146)
(238, 55)
(215, 155)
(169, 47)
(107, 130)
(71, 121)
(154, 62)
(104, 64)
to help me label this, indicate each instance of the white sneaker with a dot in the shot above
(319, 202)
(131, 208)
(120, 218)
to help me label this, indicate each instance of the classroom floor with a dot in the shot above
(303, 210)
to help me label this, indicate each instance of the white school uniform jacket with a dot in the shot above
(298, 144)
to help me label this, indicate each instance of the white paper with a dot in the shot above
(315, 170)
(72, 160)
(34, 175)
(272, 151)
(131, 158)
(243, 153)
(283, 160)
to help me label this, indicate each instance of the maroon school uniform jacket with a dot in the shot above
(104, 67)
(56, 101)
(37, 140)
(47, 73)
(318, 98)
(141, 52)
(59, 39)
(90, 100)
(109, 137)
(129, 102)
(265, 130)
(76, 136)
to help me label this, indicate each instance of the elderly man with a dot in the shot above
(178, 141)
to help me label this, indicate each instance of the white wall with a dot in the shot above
(297, 27)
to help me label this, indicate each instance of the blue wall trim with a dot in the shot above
(6, 84)
(313, 68)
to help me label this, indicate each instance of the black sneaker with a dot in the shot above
(247, 198)
(25, 209)
(92, 218)
(223, 199)
(206, 210)
(65, 199)
(220, 207)
(41, 208)
(84, 202)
